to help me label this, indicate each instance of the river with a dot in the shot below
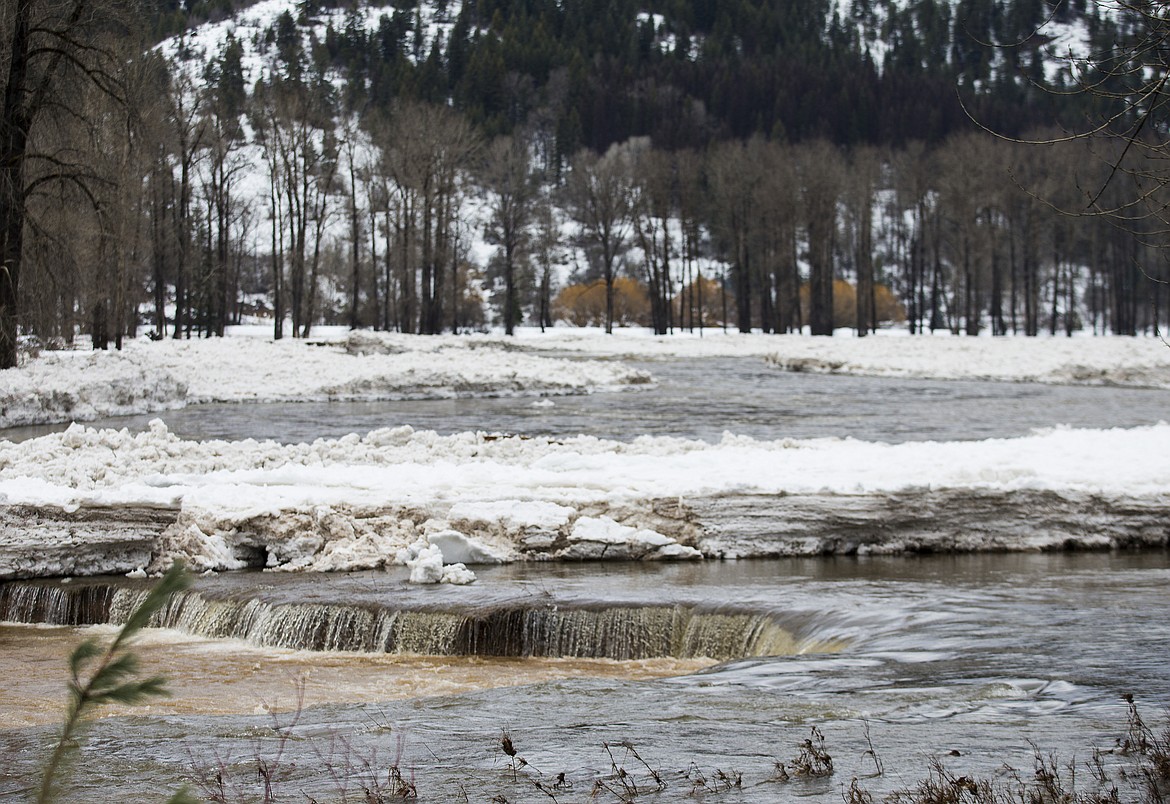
(971, 658)
(698, 398)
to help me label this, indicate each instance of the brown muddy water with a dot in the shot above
(232, 677)
(920, 657)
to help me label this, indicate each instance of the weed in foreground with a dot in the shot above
(225, 780)
(943, 787)
(718, 781)
(856, 794)
(813, 761)
(356, 775)
(98, 677)
(377, 785)
(871, 752)
(622, 783)
(515, 761)
(1139, 775)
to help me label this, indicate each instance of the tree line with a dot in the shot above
(149, 196)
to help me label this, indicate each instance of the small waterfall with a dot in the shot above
(55, 604)
(621, 632)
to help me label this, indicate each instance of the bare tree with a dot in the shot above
(267, 136)
(50, 52)
(297, 130)
(355, 151)
(777, 202)
(865, 168)
(599, 194)
(734, 177)
(425, 149)
(224, 166)
(654, 197)
(507, 176)
(690, 211)
(913, 188)
(1122, 178)
(545, 244)
(188, 131)
(821, 177)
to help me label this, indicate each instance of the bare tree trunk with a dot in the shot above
(355, 240)
(157, 222)
(375, 299)
(15, 123)
(277, 265)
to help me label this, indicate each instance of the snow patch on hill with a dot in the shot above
(250, 26)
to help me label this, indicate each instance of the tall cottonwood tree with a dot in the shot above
(690, 194)
(777, 207)
(862, 185)
(426, 149)
(733, 174)
(653, 209)
(599, 194)
(821, 176)
(506, 174)
(175, 177)
(51, 51)
(913, 189)
(294, 122)
(123, 153)
(356, 150)
(222, 107)
(546, 245)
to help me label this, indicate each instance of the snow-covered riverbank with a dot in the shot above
(1136, 362)
(336, 365)
(154, 376)
(357, 502)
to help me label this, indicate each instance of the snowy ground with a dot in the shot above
(1138, 362)
(151, 376)
(88, 501)
(359, 502)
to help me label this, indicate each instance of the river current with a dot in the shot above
(698, 398)
(977, 660)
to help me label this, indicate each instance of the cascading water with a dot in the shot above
(55, 605)
(621, 632)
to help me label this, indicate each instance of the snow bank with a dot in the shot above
(1143, 362)
(150, 376)
(356, 502)
(79, 386)
(521, 481)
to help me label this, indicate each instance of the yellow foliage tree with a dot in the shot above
(845, 304)
(584, 305)
(700, 303)
(888, 306)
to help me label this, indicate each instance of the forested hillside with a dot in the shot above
(685, 74)
(445, 165)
